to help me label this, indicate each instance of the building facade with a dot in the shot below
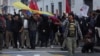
(0, 6)
(53, 6)
(6, 6)
(59, 6)
(11, 7)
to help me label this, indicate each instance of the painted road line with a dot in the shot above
(19, 55)
(36, 51)
(36, 55)
(5, 55)
(49, 47)
(58, 55)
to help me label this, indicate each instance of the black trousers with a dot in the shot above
(1, 40)
(97, 38)
(44, 38)
(87, 47)
(61, 39)
(17, 38)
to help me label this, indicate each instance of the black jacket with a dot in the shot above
(17, 24)
(44, 27)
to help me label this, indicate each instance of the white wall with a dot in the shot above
(77, 5)
(96, 4)
(42, 4)
(56, 5)
(11, 8)
(1, 1)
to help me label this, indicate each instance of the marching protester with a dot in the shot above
(70, 34)
(9, 34)
(17, 26)
(64, 21)
(97, 26)
(44, 31)
(90, 34)
(32, 24)
(2, 30)
(83, 24)
(25, 34)
(88, 42)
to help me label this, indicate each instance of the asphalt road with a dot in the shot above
(42, 52)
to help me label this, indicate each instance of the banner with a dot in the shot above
(84, 10)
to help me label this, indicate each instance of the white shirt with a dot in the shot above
(25, 23)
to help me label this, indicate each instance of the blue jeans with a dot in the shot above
(32, 36)
(52, 37)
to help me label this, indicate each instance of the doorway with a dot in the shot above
(90, 4)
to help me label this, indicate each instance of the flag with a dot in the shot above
(42, 12)
(20, 5)
(36, 5)
(68, 9)
(33, 5)
(28, 13)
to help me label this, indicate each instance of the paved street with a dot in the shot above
(42, 52)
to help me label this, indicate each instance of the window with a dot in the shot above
(40, 9)
(47, 8)
(72, 3)
(89, 3)
(60, 8)
(52, 7)
(25, 1)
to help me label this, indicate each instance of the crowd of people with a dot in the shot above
(23, 31)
